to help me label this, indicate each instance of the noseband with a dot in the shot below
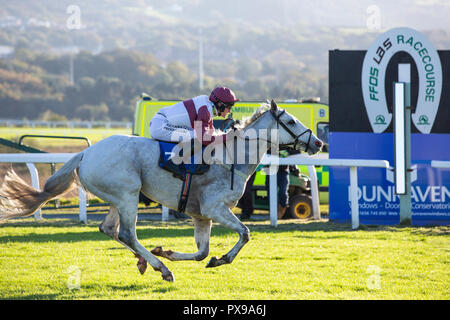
(292, 134)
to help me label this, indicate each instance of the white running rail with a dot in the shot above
(31, 158)
(353, 164)
(440, 164)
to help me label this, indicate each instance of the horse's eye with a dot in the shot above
(291, 122)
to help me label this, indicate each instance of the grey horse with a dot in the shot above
(117, 168)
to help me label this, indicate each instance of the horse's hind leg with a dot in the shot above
(127, 235)
(223, 215)
(202, 231)
(110, 226)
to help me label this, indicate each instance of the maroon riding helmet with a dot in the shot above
(224, 95)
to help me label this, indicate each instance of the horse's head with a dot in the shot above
(292, 133)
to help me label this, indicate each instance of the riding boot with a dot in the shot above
(281, 211)
(245, 215)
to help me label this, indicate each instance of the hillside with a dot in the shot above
(259, 48)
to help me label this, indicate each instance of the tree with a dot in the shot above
(92, 113)
(49, 115)
(248, 68)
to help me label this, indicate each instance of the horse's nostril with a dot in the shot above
(318, 143)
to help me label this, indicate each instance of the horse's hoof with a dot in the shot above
(142, 264)
(142, 267)
(157, 251)
(212, 263)
(168, 277)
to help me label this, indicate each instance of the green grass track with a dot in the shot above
(63, 259)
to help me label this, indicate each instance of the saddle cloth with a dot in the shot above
(179, 170)
(182, 171)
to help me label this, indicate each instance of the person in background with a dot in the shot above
(246, 201)
(283, 189)
(283, 182)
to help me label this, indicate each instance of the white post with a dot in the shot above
(402, 134)
(273, 201)
(35, 183)
(165, 214)
(400, 171)
(354, 196)
(82, 204)
(314, 192)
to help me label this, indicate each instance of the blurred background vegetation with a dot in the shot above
(262, 49)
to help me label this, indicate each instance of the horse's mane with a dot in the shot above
(258, 113)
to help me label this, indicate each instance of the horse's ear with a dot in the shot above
(273, 105)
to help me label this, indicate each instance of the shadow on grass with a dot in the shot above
(90, 294)
(185, 228)
(34, 297)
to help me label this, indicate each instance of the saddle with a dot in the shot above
(182, 171)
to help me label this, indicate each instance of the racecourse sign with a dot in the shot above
(361, 127)
(374, 71)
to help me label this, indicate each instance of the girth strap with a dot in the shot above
(232, 176)
(228, 167)
(185, 192)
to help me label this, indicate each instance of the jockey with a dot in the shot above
(192, 118)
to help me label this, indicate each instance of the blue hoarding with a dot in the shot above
(378, 204)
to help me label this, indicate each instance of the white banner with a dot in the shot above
(374, 73)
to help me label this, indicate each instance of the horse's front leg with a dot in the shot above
(202, 232)
(223, 215)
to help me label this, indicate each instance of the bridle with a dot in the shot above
(285, 127)
(292, 134)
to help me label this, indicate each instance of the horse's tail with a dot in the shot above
(18, 199)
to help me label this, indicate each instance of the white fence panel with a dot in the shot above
(65, 124)
(301, 159)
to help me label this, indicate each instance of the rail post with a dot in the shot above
(35, 183)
